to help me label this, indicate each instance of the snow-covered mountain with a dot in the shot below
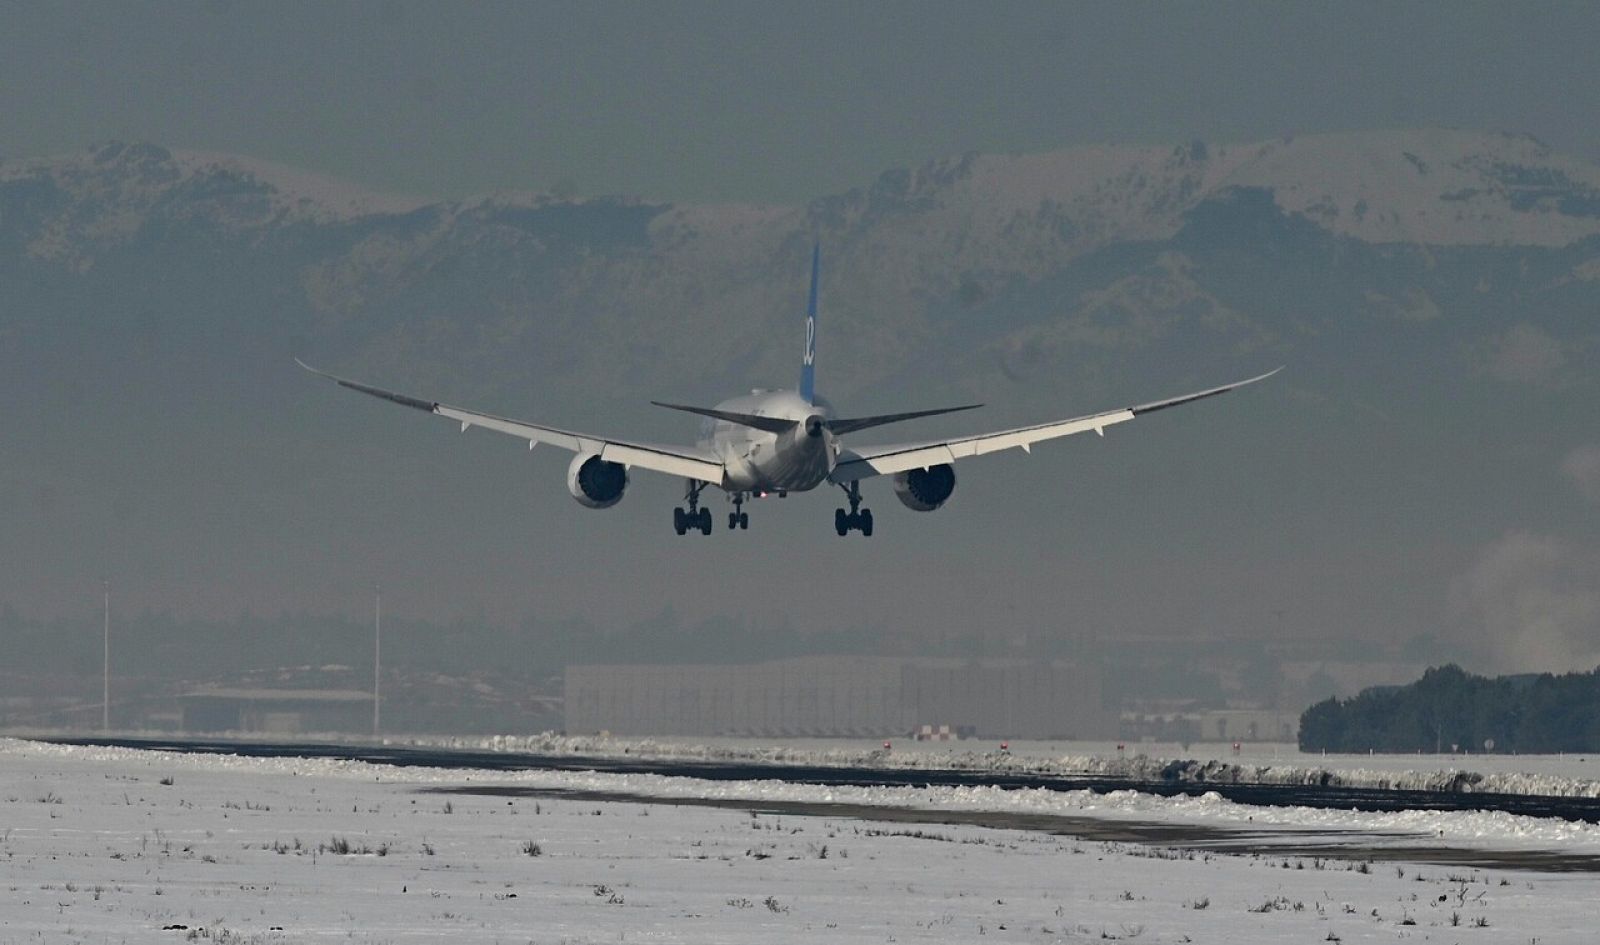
(387, 276)
(1023, 213)
(1435, 187)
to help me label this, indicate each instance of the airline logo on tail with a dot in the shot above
(808, 373)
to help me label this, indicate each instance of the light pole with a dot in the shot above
(377, 653)
(105, 664)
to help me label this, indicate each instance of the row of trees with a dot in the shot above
(1451, 709)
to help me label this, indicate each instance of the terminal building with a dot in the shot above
(841, 697)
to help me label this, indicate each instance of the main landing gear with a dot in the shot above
(857, 519)
(738, 518)
(695, 517)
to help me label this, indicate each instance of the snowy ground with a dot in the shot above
(117, 845)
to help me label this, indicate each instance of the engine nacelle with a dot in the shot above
(923, 490)
(595, 483)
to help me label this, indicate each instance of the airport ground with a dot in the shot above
(121, 844)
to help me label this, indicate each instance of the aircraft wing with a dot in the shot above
(886, 460)
(688, 462)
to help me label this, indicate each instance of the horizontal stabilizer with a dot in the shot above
(769, 424)
(841, 426)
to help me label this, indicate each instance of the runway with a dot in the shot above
(1177, 781)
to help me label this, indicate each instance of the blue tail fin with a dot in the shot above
(808, 367)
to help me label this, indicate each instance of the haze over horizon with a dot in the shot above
(1426, 468)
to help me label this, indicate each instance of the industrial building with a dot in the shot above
(840, 697)
(276, 711)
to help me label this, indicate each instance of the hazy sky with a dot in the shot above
(763, 101)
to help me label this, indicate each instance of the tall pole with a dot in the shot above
(105, 665)
(377, 653)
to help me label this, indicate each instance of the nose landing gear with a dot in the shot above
(858, 518)
(738, 518)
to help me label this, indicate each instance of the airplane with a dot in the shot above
(773, 442)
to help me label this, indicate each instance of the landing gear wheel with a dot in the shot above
(858, 518)
(744, 520)
(733, 520)
(683, 520)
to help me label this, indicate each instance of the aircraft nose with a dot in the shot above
(813, 425)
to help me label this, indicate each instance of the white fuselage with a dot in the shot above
(758, 461)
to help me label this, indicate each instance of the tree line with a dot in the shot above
(1449, 709)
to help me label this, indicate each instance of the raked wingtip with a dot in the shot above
(316, 371)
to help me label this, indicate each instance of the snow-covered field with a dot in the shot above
(119, 845)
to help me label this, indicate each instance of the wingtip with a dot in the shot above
(306, 366)
(318, 371)
(1262, 377)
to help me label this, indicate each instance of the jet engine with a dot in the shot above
(923, 490)
(595, 483)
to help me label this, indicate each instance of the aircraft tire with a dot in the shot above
(865, 523)
(733, 520)
(744, 520)
(841, 522)
(705, 521)
(678, 523)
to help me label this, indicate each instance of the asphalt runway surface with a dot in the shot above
(1312, 843)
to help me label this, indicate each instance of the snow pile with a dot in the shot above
(1136, 768)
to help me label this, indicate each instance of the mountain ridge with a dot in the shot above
(1502, 184)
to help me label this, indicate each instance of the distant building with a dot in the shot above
(840, 696)
(1249, 725)
(1211, 725)
(276, 711)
